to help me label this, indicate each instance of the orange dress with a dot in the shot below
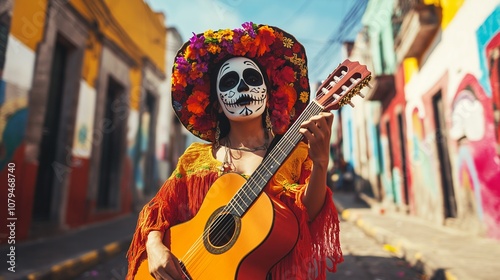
(180, 197)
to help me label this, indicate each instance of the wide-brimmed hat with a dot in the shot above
(280, 55)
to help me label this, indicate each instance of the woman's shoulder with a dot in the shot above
(197, 149)
(197, 155)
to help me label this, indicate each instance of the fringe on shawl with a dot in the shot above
(319, 240)
(177, 201)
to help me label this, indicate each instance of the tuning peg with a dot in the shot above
(360, 94)
(350, 103)
(368, 85)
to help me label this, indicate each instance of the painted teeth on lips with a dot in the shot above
(245, 100)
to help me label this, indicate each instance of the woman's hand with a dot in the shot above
(318, 130)
(162, 263)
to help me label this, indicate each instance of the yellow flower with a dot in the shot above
(303, 96)
(209, 33)
(226, 34)
(303, 71)
(287, 42)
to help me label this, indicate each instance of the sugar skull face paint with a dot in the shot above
(241, 90)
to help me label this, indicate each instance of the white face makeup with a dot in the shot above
(241, 90)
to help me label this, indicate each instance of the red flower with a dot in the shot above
(280, 120)
(288, 91)
(201, 123)
(304, 83)
(178, 94)
(284, 76)
(296, 47)
(197, 102)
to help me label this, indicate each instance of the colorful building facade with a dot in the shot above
(438, 155)
(79, 101)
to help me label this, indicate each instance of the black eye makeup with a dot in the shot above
(228, 81)
(252, 77)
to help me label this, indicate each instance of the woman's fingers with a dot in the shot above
(317, 130)
(317, 126)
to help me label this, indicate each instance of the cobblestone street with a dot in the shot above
(364, 259)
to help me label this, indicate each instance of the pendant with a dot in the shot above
(226, 167)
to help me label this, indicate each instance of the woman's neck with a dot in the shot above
(248, 134)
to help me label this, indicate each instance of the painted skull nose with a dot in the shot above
(243, 86)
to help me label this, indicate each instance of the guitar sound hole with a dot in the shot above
(222, 230)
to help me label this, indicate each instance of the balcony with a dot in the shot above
(415, 27)
(382, 89)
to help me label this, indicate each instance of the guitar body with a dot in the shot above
(218, 245)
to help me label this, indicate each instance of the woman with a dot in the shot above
(239, 90)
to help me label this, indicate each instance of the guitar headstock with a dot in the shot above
(342, 85)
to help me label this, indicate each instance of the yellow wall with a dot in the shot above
(410, 66)
(91, 60)
(449, 9)
(131, 25)
(28, 21)
(143, 26)
(135, 90)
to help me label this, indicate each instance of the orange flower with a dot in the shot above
(241, 48)
(263, 40)
(213, 48)
(178, 79)
(289, 91)
(197, 102)
(194, 73)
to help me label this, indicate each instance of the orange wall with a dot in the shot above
(28, 21)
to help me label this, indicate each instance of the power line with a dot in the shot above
(350, 20)
(301, 9)
(339, 33)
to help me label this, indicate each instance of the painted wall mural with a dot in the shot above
(18, 75)
(477, 163)
(483, 153)
(84, 129)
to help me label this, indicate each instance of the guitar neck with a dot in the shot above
(337, 90)
(244, 198)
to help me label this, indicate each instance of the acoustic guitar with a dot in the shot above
(239, 231)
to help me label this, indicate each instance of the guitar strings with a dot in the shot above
(190, 255)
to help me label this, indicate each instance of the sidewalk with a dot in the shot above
(67, 255)
(441, 253)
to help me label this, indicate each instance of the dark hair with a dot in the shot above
(224, 124)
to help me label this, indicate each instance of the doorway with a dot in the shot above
(43, 209)
(391, 161)
(449, 202)
(402, 146)
(113, 135)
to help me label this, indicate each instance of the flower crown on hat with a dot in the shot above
(279, 54)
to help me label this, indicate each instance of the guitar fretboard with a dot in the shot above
(253, 187)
